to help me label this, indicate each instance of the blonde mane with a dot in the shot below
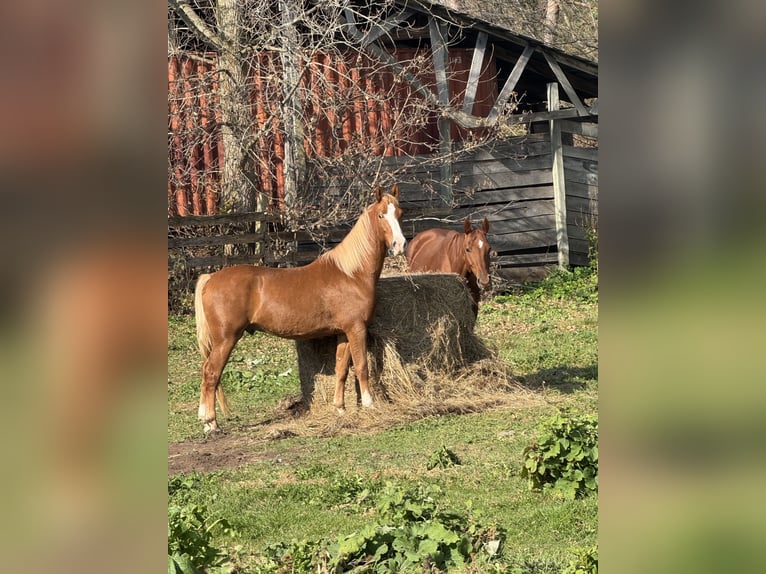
(356, 249)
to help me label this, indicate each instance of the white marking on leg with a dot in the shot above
(202, 412)
(210, 426)
(398, 241)
(366, 399)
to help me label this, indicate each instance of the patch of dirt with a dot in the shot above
(241, 444)
(212, 453)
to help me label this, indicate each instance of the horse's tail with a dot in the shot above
(204, 342)
(203, 331)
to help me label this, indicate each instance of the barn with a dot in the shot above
(469, 118)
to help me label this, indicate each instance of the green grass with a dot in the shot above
(308, 487)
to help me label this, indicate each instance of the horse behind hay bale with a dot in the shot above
(446, 251)
(421, 339)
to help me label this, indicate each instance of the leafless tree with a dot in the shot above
(296, 96)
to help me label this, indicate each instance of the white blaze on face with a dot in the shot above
(397, 245)
(481, 244)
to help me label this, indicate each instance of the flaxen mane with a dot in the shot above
(356, 248)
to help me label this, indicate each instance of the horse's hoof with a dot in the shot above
(212, 429)
(341, 410)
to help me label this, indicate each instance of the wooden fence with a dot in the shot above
(512, 184)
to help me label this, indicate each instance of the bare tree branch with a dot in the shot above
(198, 25)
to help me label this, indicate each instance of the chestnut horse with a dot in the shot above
(446, 251)
(334, 294)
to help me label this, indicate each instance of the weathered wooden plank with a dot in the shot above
(577, 189)
(522, 150)
(509, 143)
(578, 231)
(589, 129)
(579, 259)
(550, 257)
(526, 118)
(207, 241)
(510, 84)
(409, 192)
(419, 195)
(227, 261)
(505, 179)
(582, 165)
(581, 171)
(534, 223)
(506, 212)
(186, 220)
(509, 242)
(473, 76)
(586, 153)
(580, 207)
(579, 246)
(504, 165)
(498, 228)
(491, 197)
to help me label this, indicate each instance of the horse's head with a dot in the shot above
(477, 251)
(386, 213)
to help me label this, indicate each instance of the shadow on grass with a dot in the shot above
(563, 378)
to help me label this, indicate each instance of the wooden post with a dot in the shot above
(559, 184)
(441, 65)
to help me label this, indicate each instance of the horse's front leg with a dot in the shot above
(357, 340)
(342, 363)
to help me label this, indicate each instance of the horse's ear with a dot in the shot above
(378, 193)
(395, 191)
(485, 225)
(467, 224)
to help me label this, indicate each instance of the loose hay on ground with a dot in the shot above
(424, 357)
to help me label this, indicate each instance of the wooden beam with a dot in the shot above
(546, 116)
(440, 56)
(379, 30)
(439, 53)
(559, 183)
(460, 116)
(564, 81)
(510, 83)
(475, 73)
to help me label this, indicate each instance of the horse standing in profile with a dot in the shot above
(332, 295)
(446, 251)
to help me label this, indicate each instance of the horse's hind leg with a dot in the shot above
(342, 363)
(357, 341)
(211, 379)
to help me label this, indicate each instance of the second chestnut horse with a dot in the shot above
(332, 295)
(446, 251)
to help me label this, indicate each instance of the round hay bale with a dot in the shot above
(422, 351)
